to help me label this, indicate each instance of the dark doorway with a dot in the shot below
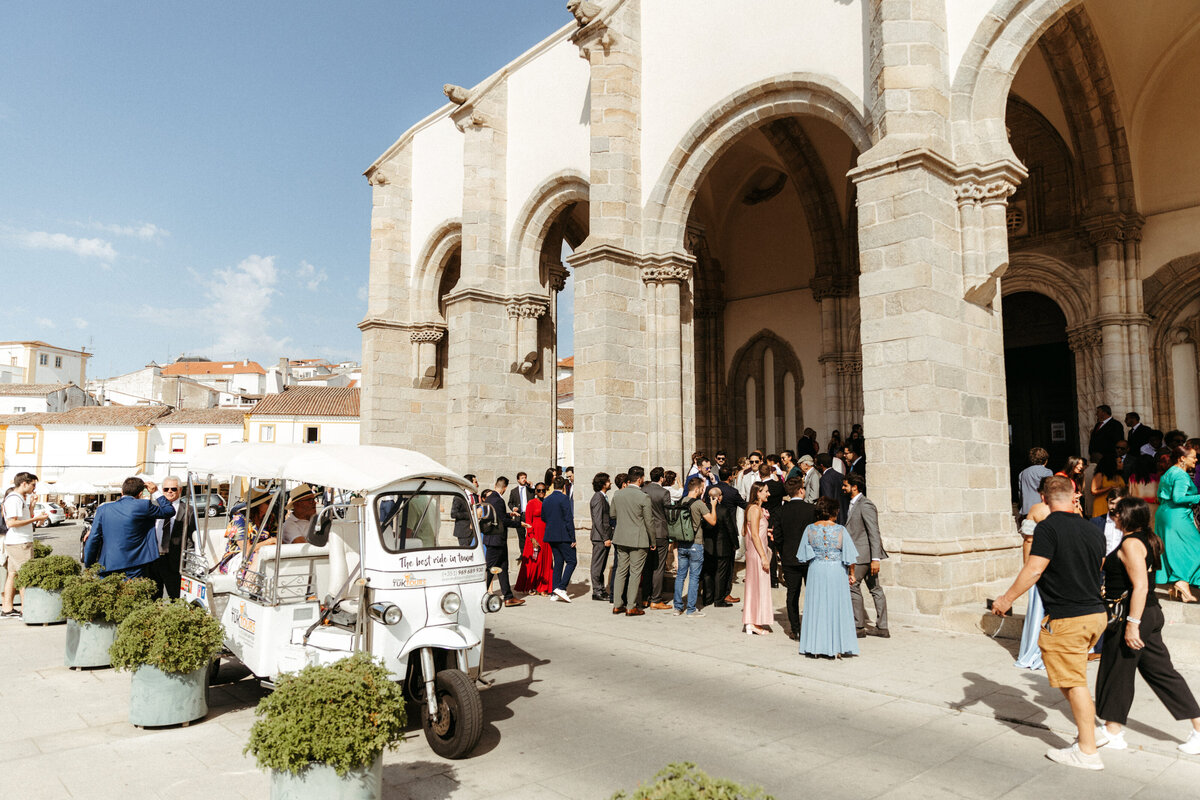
(1039, 373)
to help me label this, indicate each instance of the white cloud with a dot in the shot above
(146, 231)
(80, 322)
(43, 322)
(311, 276)
(85, 248)
(239, 314)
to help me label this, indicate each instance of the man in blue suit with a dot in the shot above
(560, 535)
(123, 537)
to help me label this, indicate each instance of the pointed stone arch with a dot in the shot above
(437, 253)
(1168, 292)
(532, 226)
(763, 364)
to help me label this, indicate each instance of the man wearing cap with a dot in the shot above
(812, 479)
(302, 505)
(123, 538)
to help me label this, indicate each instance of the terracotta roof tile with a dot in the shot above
(213, 368)
(566, 386)
(204, 416)
(566, 419)
(568, 362)
(309, 401)
(30, 389)
(98, 416)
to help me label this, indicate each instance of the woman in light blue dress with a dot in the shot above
(827, 628)
(1030, 656)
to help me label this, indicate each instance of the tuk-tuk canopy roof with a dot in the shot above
(357, 468)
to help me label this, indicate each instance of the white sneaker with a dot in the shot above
(1192, 745)
(1113, 741)
(1073, 757)
(695, 614)
(562, 595)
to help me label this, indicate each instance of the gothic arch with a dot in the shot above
(750, 364)
(795, 94)
(1065, 285)
(1170, 290)
(533, 224)
(439, 248)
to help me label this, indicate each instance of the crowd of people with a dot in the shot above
(794, 518)
(1096, 546)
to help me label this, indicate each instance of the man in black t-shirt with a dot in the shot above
(1065, 562)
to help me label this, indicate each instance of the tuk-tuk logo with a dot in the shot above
(408, 581)
(242, 621)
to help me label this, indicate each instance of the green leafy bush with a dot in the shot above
(41, 549)
(90, 598)
(170, 635)
(50, 573)
(342, 715)
(686, 782)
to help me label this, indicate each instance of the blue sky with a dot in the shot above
(187, 177)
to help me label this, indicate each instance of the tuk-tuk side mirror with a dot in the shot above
(319, 527)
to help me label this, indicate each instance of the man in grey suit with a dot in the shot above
(633, 538)
(862, 522)
(602, 533)
(652, 582)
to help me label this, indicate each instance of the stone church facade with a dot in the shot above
(964, 223)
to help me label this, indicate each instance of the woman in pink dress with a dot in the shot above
(757, 611)
(537, 562)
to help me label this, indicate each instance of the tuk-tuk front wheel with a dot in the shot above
(459, 723)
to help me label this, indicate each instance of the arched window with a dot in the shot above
(765, 383)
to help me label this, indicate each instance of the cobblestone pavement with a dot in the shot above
(585, 703)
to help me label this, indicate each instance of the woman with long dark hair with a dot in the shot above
(1177, 494)
(1073, 469)
(1107, 477)
(758, 610)
(1139, 647)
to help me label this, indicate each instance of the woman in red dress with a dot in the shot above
(537, 562)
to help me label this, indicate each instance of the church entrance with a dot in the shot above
(1040, 376)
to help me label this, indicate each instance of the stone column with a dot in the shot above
(612, 404)
(1084, 342)
(667, 279)
(425, 340)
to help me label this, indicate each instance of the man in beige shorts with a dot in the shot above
(18, 542)
(1064, 561)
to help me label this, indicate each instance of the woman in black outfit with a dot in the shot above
(1129, 568)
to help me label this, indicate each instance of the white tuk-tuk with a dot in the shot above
(380, 571)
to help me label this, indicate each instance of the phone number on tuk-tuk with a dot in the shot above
(443, 577)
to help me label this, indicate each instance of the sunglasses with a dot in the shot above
(170, 488)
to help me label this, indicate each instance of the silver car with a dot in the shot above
(53, 510)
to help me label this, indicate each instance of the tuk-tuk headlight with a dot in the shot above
(492, 603)
(451, 602)
(387, 613)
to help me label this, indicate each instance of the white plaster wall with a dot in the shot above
(290, 430)
(437, 180)
(796, 318)
(1167, 236)
(547, 122)
(962, 21)
(160, 459)
(23, 405)
(695, 53)
(64, 446)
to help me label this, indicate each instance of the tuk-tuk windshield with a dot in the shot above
(417, 520)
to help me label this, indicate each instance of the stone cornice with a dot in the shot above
(380, 323)
(1112, 228)
(922, 157)
(475, 293)
(591, 253)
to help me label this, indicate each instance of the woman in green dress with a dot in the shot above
(1176, 525)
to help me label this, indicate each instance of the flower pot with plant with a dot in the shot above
(94, 607)
(684, 781)
(168, 646)
(40, 550)
(42, 580)
(322, 732)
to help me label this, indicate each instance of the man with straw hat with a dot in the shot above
(301, 505)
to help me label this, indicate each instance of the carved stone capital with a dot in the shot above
(527, 309)
(997, 191)
(666, 273)
(1083, 339)
(830, 286)
(557, 276)
(426, 335)
(1113, 228)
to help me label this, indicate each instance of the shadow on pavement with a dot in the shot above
(233, 688)
(421, 780)
(1010, 706)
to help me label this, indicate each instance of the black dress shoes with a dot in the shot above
(861, 633)
(882, 633)
(723, 604)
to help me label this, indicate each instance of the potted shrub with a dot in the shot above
(322, 732)
(168, 645)
(40, 550)
(94, 607)
(43, 580)
(686, 782)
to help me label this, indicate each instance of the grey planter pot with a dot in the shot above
(42, 607)
(159, 698)
(321, 782)
(88, 643)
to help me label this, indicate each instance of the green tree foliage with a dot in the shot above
(50, 573)
(686, 782)
(170, 635)
(342, 715)
(41, 549)
(90, 598)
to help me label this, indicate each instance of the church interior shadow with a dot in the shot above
(1014, 708)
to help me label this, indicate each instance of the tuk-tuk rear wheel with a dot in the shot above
(459, 722)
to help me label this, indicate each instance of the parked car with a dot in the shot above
(210, 505)
(53, 510)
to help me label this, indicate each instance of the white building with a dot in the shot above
(38, 362)
(177, 437)
(306, 414)
(148, 386)
(30, 398)
(244, 378)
